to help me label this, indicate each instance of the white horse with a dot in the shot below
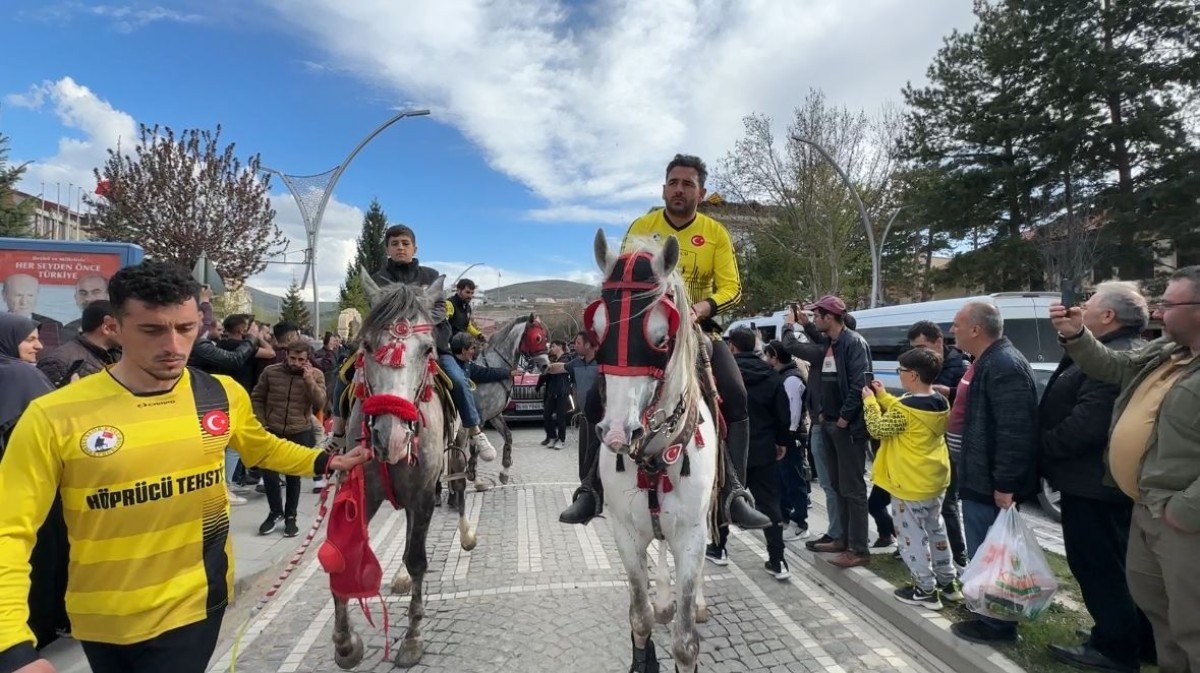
(659, 475)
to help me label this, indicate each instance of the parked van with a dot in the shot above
(769, 326)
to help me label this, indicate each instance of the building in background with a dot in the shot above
(56, 221)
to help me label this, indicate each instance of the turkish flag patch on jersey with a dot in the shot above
(215, 422)
(698, 241)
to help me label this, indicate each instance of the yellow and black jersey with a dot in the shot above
(144, 497)
(706, 259)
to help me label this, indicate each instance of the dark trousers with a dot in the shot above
(183, 650)
(48, 577)
(1096, 537)
(556, 411)
(763, 482)
(271, 480)
(951, 515)
(794, 483)
(846, 474)
(877, 506)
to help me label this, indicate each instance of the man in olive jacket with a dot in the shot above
(1154, 458)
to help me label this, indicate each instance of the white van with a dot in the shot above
(769, 326)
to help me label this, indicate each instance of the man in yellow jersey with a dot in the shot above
(137, 453)
(710, 271)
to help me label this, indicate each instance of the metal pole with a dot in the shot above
(862, 211)
(883, 239)
(313, 228)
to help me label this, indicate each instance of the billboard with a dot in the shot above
(51, 281)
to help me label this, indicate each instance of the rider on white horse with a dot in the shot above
(458, 321)
(709, 267)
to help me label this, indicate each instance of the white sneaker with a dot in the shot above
(235, 499)
(794, 532)
(318, 485)
(487, 452)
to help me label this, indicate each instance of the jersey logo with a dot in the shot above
(215, 422)
(698, 241)
(102, 441)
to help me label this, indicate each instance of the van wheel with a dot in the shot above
(1048, 498)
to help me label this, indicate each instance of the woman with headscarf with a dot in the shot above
(23, 382)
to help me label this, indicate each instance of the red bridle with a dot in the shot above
(392, 355)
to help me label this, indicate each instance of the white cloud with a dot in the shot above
(580, 214)
(585, 104)
(125, 18)
(340, 227)
(98, 126)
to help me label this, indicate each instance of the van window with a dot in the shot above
(1036, 339)
(888, 342)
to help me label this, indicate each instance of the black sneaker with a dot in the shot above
(915, 596)
(951, 591)
(717, 555)
(778, 569)
(546, 441)
(290, 529)
(811, 544)
(270, 525)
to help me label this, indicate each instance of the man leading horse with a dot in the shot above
(710, 270)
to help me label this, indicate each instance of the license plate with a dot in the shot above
(528, 406)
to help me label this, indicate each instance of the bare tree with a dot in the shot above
(815, 214)
(180, 196)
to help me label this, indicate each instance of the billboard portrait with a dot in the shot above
(53, 287)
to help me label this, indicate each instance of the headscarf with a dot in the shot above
(22, 380)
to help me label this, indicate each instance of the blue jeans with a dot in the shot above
(464, 397)
(231, 463)
(824, 456)
(978, 517)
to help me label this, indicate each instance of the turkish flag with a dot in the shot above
(104, 188)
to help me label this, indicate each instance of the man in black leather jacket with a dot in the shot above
(1075, 414)
(842, 377)
(997, 465)
(209, 357)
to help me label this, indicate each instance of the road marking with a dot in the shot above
(276, 605)
(529, 558)
(593, 551)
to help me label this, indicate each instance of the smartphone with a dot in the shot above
(1069, 292)
(868, 378)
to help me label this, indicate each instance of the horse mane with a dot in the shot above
(399, 301)
(680, 376)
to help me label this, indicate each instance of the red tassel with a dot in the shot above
(699, 439)
(391, 355)
(665, 484)
(643, 480)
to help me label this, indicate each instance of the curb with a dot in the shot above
(926, 627)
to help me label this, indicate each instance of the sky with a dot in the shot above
(549, 119)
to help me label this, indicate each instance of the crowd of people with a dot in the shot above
(84, 429)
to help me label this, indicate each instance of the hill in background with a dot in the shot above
(558, 290)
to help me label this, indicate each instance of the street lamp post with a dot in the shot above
(883, 239)
(312, 200)
(862, 211)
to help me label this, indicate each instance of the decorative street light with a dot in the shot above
(862, 211)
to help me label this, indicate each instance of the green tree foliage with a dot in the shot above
(178, 196)
(294, 307)
(1053, 122)
(14, 218)
(370, 255)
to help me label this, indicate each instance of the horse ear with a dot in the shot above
(600, 249)
(670, 255)
(435, 292)
(370, 287)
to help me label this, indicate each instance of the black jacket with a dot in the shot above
(1074, 416)
(813, 354)
(768, 407)
(1000, 435)
(409, 274)
(209, 357)
(853, 357)
(954, 367)
(56, 363)
(556, 385)
(249, 373)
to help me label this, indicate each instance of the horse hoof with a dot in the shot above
(664, 615)
(468, 541)
(481, 485)
(402, 585)
(504, 477)
(702, 614)
(353, 657)
(409, 654)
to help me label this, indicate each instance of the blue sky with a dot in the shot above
(550, 118)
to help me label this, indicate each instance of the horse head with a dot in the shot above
(398, 363)
(637, 325)
(535, 343)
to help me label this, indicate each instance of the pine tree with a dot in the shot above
(370, 255)
(294, 308)
(14, 218)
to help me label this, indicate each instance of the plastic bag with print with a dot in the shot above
(1009, 577)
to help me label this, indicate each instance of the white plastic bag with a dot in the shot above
(1009, 577)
